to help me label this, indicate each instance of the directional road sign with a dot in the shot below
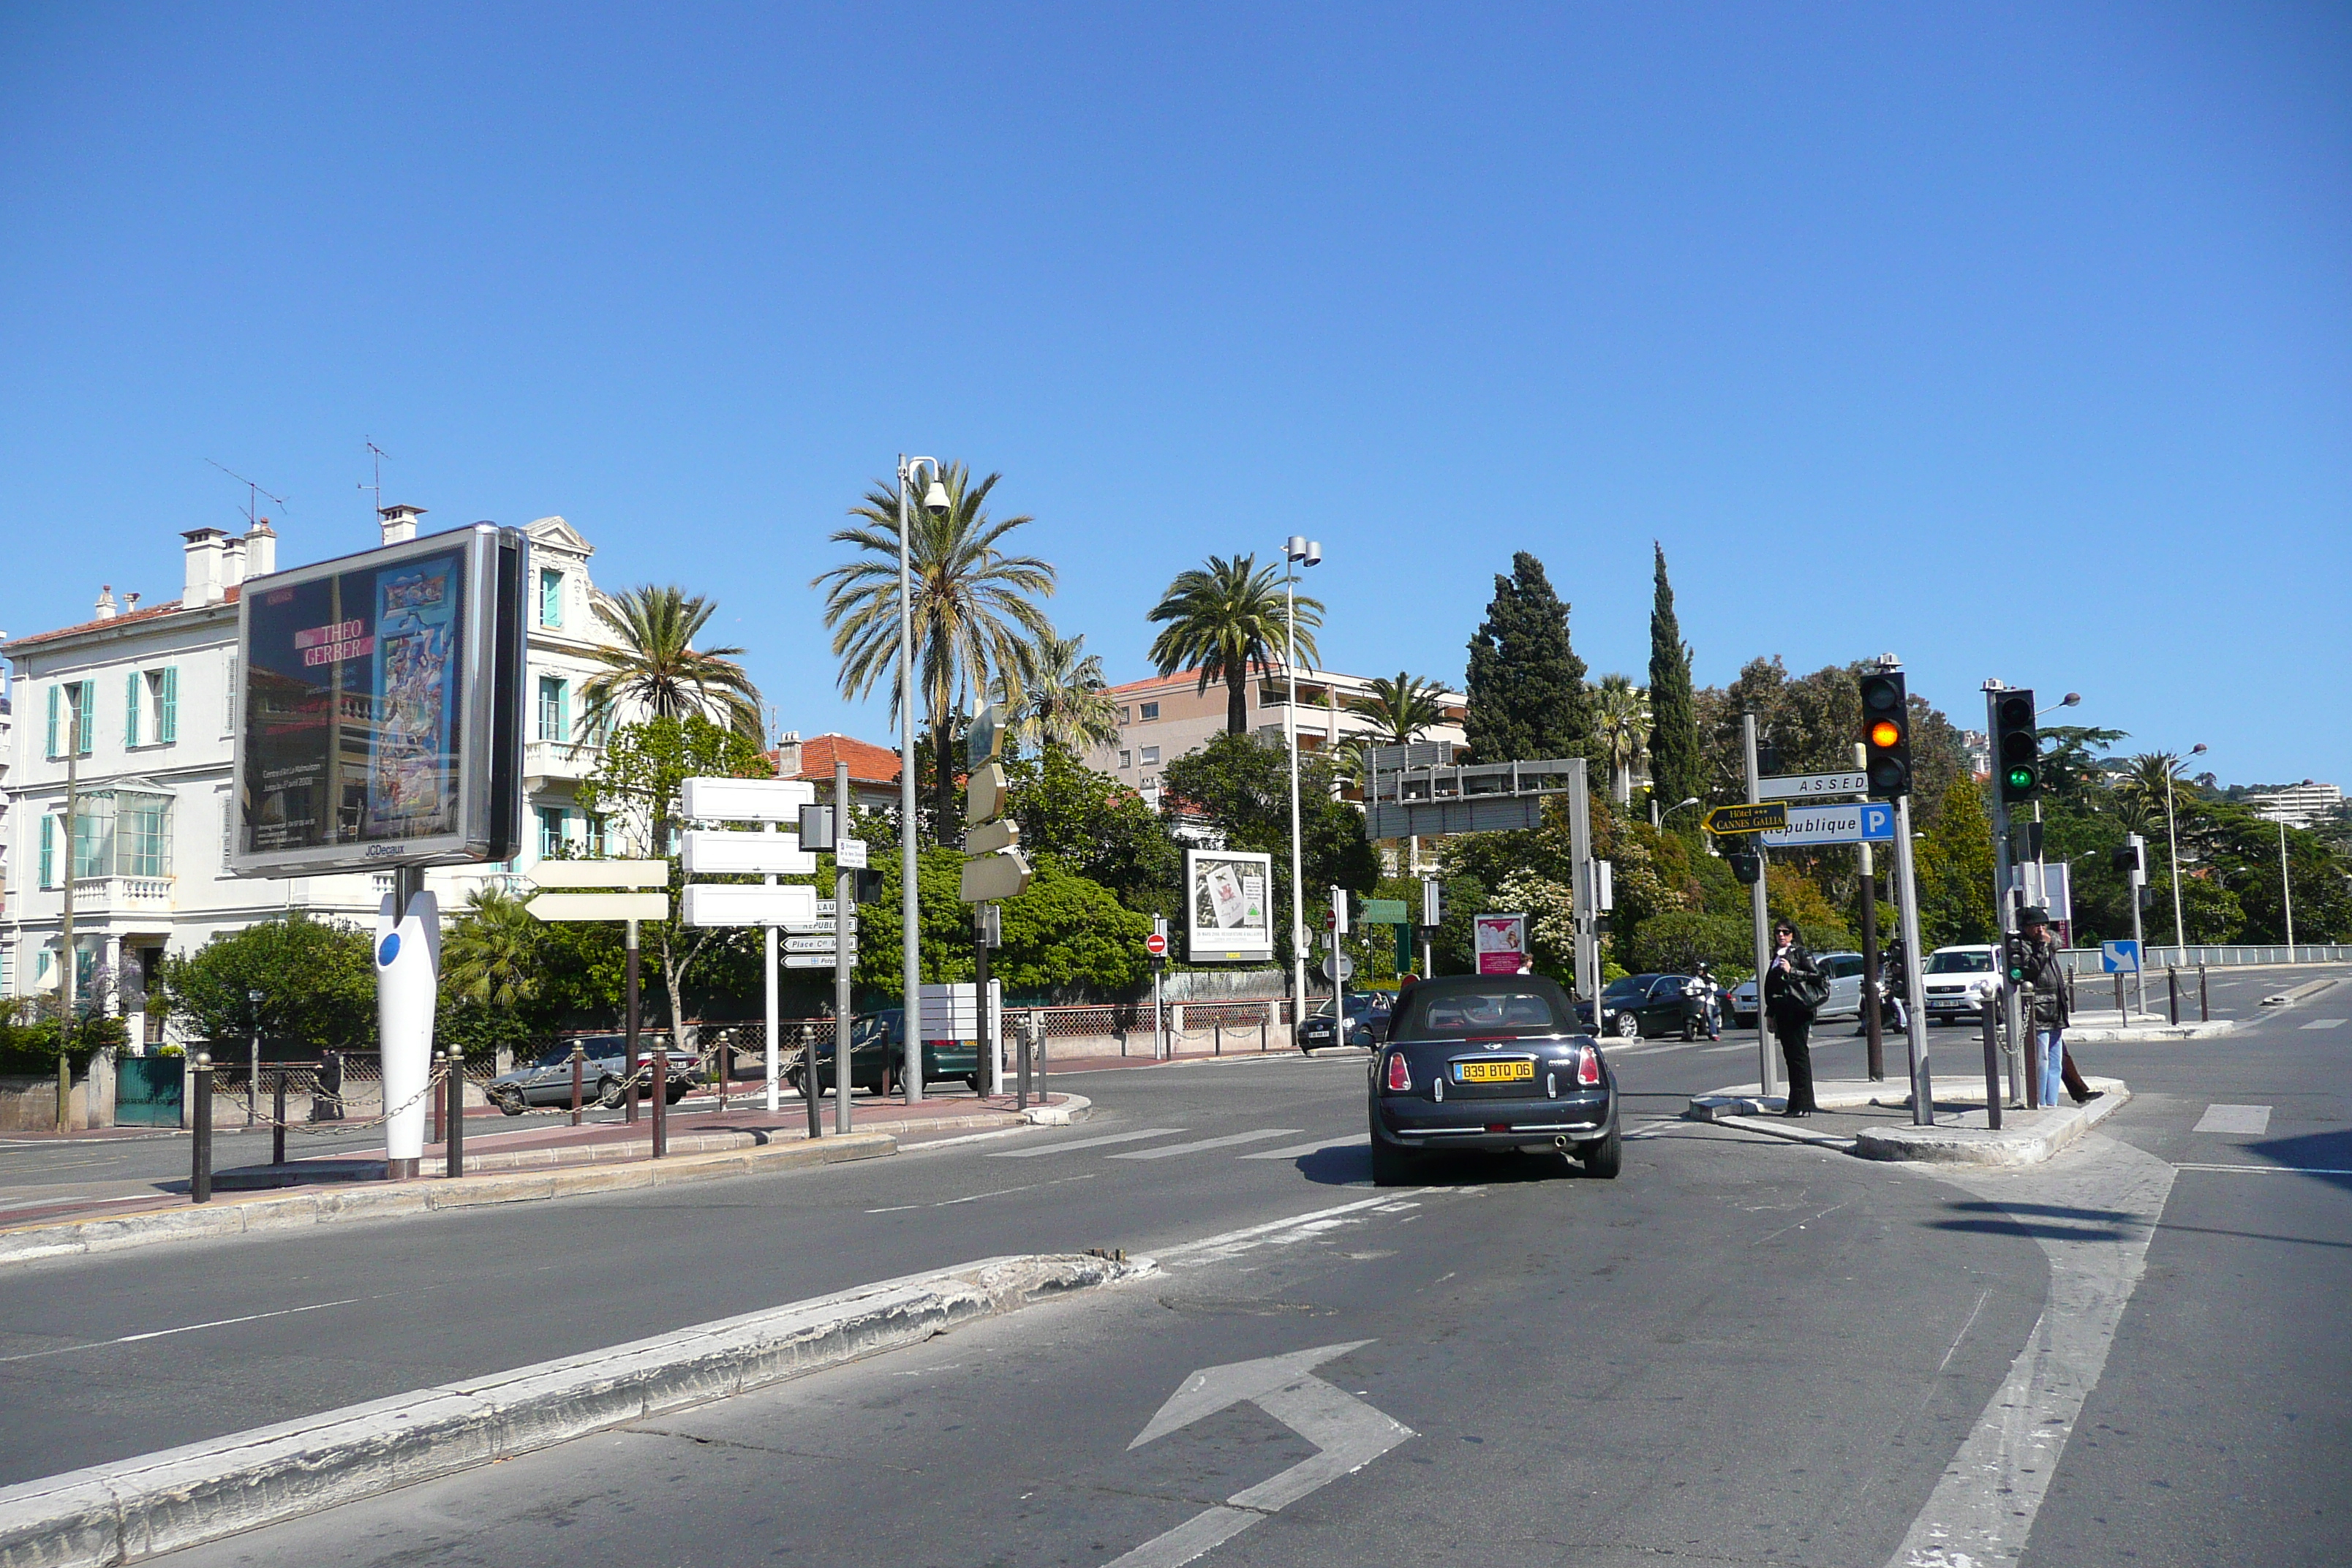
(809, 960)
(747, 904)
(814, 944)
(1857, 822)
(2120, 957)
(600, 873)
(1384, 912)
(1747, 818)
(1813, 786)
(710, 852)
(599, 906)
(746, 800)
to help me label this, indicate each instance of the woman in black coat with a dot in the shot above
(1793, 974)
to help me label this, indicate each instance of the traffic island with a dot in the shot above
(1871, 1120)
(183, 1497)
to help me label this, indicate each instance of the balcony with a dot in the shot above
(548, 760)
(123, 895)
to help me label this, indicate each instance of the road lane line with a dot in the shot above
(2253, 1118)
(2266, 1170)
(1085, 1142)
(1227, 1141)
(2324, 1023)
(1002, 1191)
(1298, 1150)
(187, 1329)
(1313, 1216)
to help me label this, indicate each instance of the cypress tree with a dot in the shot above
(1676, 770)
(1527, 696)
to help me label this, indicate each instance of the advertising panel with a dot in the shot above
(1502, 944)
(1229, 907)
(379, 711)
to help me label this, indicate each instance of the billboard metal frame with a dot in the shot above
(487, 729)
(1217, 943)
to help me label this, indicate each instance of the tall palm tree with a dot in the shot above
(976, 619)
(493, 955)
(1226, 619)
(1400, 709)
(657, 669)
(1063, 700)
(1621, 714)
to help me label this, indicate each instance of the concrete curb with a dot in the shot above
(2124, 1035)
(2030, 1137)
(185, 1497)
(385, 1200)
(1075, 1108)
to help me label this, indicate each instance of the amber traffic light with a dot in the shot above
(1886, 735)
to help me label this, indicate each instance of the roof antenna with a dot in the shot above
(253, 492)
(377, 483)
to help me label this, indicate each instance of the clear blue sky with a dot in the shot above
(2017, 340)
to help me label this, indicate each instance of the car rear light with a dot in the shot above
(1399, 1076)
(1588, 1066)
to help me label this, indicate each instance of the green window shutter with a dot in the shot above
(85, 701)
(48, 848)
(563, 710)
(167, 705)
(551, 598)
(130, 710)
(53, 724)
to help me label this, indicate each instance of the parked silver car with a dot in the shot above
(1844, 970)
(603, 1075)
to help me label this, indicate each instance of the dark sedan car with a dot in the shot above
(877, 1047)
(1635, 1005)
(1367, 1022)
(1488, 1061)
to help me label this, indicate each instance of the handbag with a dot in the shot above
(1807, 988)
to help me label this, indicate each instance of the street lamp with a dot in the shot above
(1297, 551)
(935, 501)
(253, 1077)
(2172, 843)
(2072, 697)
(1658, 818)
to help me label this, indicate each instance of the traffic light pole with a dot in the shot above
(2004, 879)
(1907, 893)
(1872, 1023)
(844, 913)
(1768, 1074)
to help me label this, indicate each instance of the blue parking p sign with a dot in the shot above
(2120, 957)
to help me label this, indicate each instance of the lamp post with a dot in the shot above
(252, 1071)
(1297, 551)
(2172, 844)
(2286, 893)
(935, 501)
(1658, 818)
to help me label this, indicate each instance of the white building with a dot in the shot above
(2307, 805)
(154, 688)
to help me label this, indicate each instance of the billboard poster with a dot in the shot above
(374, 708)
(1502, 944)
(1229, 900)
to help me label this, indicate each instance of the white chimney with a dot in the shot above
(203, 568)
(232, 562)
(399, 522)
(787, 754)
(260, 550)
(104, 609)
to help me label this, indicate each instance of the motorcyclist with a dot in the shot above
(1703, 986)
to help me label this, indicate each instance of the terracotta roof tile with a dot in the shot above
(128, 617)
(868, 764)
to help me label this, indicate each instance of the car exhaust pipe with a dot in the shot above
(1561, 1142)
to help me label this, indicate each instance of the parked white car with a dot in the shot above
(1957, 980)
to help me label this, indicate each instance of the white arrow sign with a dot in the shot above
(814, 944)
(743, 904)
(812, 959)
(599, 906)
(600, 873)
(1350, 1434)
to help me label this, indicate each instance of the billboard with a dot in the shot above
(1502, 944)
(1229, 905)
(379, 709)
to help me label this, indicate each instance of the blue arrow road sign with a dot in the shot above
(1863, 822)
(2120, 957)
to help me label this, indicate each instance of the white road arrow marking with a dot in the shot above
(1350, 1433)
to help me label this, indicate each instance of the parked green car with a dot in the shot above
(877, 1055)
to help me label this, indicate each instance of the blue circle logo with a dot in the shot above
(388, 951)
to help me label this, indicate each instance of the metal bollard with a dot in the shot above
(1220, 1027)
(1264, 1015)
(435, 1133)
(200, 1174)
(2172, 984)
(726, 1068)
(2204, 1002)
(456, 1146)
(278, 1120)
(661, 1101)
(579, 1053)
(1993, 1063)
(2119, 997)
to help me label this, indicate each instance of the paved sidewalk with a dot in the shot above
(1873, 1121)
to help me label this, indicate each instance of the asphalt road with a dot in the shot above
(1740, 1349)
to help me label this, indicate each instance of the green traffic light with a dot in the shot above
(2020, 778)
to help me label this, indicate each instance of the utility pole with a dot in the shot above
(1768, 1075)
(2004, 881)
(2286, 893)
(845, 911)
(66, 952)
(1873, 1030)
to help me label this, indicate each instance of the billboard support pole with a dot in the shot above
(407, 982)
(845, 911)
(1768, 1075)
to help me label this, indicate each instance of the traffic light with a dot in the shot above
(2016, 747)
(995, 868)
(1887, 734)
(1747, 864)
(866, 884)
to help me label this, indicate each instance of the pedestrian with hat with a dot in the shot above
(2047, 976)
(1794, 989)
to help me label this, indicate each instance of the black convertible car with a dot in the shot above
(1486, 1062)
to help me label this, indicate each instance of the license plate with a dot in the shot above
(1521, 1071)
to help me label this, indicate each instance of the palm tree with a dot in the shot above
(1227, 620)
(1621, 713)
(1063, 700)
(493, 955)
(1400, 709)
(657, 669)
(976, 620)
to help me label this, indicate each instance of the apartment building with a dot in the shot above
(155, 685)
(2307, 805)
(1163, 717)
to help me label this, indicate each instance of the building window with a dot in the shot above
(73, 704)
(1151, 781)
(150, 702)
(1152, 711)
(1127, 759)
(142, 835)
(553, 705)
(1126, 715)
(551, 598)
(1150, 757)
(595, 844)
(550, 832)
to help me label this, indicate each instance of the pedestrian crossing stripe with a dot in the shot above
(2325, 1024)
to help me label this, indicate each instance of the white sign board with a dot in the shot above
(1863, 822)
(746, 800)
(714, 852)
(2120, 957)
(599, 906)
(1813, 786)
(1228, 907)
(743, 904)
(849, 854)
(600, 873)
